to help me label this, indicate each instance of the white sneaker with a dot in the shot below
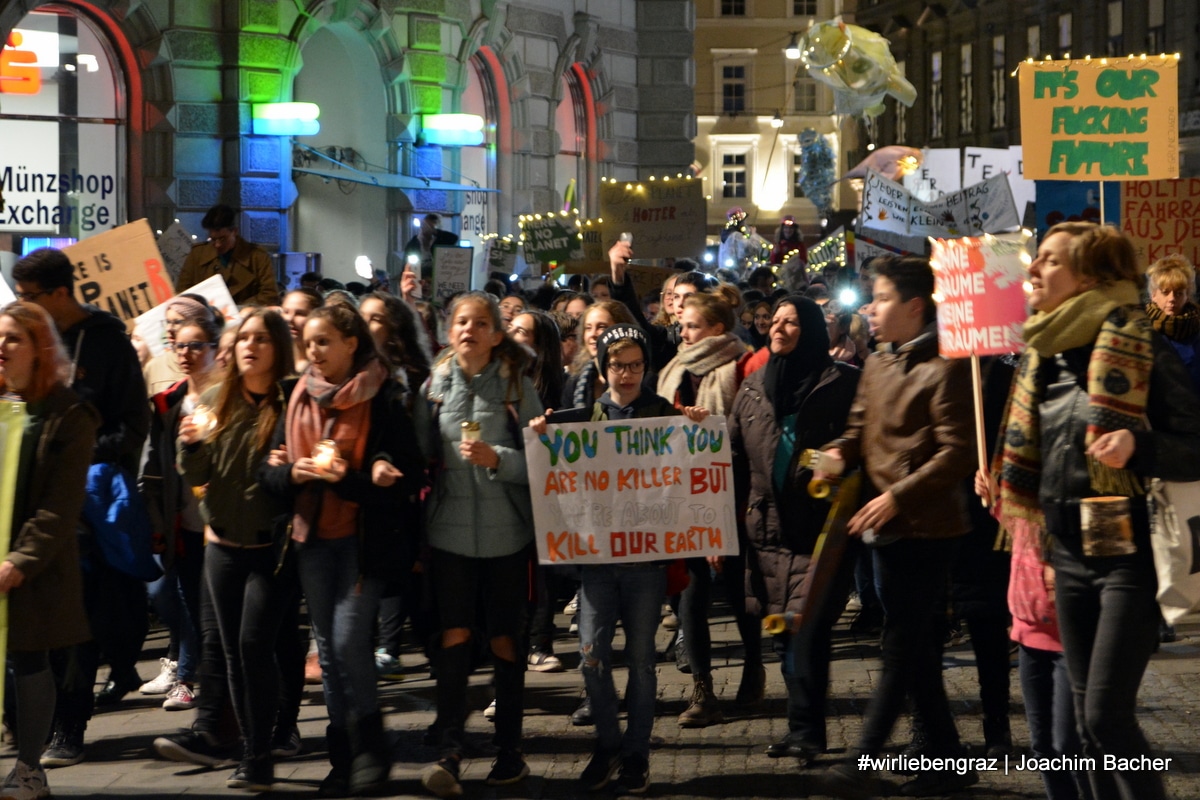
(181, 698)
(488, 713)
(25, 783)
(572, 606)
(168, 676)
(540, 661)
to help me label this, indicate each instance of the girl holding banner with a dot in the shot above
(41, 573)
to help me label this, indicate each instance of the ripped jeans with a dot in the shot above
(633, 593)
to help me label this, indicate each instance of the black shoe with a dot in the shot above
(508, 768)
(601, 770)
(115, 690)
(253, 774)
(753, 686)
(66, 745)
(635, 775)
(583, 715)
(195, 747)
(935, 784)
(790, 747)
(285, 743)
(442, 778)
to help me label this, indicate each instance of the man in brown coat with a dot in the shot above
(245, 267)
(910, 429)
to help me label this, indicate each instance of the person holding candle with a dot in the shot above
(346, 455)
(479, 523)
(1094, 373)
(41, 573)
(240, 520)
(175, 510)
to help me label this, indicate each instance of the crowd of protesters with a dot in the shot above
(360, 460)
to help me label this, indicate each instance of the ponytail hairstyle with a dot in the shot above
(232, 389)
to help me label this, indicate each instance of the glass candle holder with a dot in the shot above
(324, 452)
(470, 431)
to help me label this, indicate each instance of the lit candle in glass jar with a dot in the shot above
(470, 431)
(204, 419)
(324, 452)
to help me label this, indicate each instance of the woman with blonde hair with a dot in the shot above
(41, 574)
(1171, 310)
(585, 382)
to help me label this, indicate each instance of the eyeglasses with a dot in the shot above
(191, 347)
(29, 297)
(630, 368)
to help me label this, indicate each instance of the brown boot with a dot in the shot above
(704, 709)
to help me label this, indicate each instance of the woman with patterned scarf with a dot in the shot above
(1172, 312)
(1093, 372)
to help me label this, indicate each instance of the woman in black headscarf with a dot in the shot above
(799, 400)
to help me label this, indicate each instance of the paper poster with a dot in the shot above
(982, 163)
(1101, 119)
(151, 326)
(121, 271)
(551, 238)
(619, 491)
(1162, 217)
(985, 207)
(668, 218)
(940, 173)
(981, 296)
(451, 271)
(12, 428)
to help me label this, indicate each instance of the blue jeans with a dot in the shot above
(634, 594)
(342, 613)
(1050, 709)
(175, 597)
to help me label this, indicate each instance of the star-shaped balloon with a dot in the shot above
(857, 64)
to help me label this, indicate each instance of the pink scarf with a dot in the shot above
(320, 410)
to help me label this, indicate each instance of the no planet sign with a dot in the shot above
(632, 490)
(981, 296)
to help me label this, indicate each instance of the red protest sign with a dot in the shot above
(980, 295)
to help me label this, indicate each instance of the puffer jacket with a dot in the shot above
(912, 428)
(472, 511)
(782, 531)
(1168, 450)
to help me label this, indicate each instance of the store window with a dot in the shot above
(63, 128)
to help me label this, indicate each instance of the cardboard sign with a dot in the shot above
(668, 218)
(631, 490)
(1106, 119)
(500, 254)
(836, 250)
(551, 238)
(1162, 217)
(175, 243)
(985, 207)
(451, 271)
(152, 328)
(121, 271)
(981, 297)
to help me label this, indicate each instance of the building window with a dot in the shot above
(1033, 41)
(733, 88)
(733, 8)
(64, 101)
(797, 174)
(1064, 35)
(733, 175)
(936, 123)
(966, 90)
(999, 84)
(1156, 30)
(1115, 45)
(804, 8)
(901, 113)
(570, 123)
(806, 96)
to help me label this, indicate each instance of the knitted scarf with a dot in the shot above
(1182, 328)
(1118, 379)
(319, 410)
(705, 360)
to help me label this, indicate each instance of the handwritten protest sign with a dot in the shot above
(551, 238)
(151, 326)
(1162, 217)
(451, 270)
(121, 271)
(888, 208)
(667, 217)
(1107, 118)
(981, 298)
(836, 250)
(982, 163)
(175, 243)
(940, 173)
(500, 253)
(631, 490)
(12, 429)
